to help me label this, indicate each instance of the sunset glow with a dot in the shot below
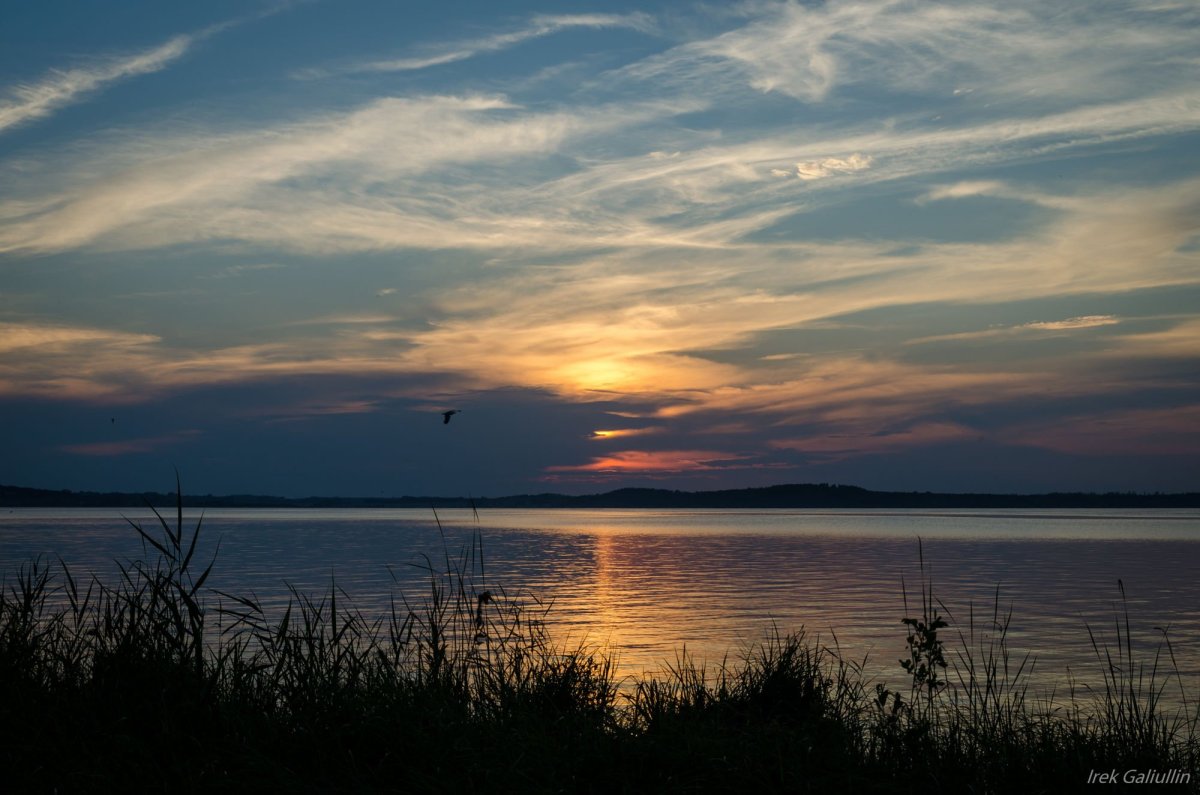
(902, 245)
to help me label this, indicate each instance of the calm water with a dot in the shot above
(647, 583)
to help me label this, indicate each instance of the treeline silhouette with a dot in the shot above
(800, 495)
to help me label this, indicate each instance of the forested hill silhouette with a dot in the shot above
(808, 495)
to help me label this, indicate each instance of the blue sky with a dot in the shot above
(902, 245)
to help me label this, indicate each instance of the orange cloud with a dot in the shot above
(634, 461)
(619, 433)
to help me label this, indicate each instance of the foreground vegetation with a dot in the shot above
(156, 682)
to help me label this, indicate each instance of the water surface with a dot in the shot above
(647, 583)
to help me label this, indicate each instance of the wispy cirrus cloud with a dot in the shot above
(968, 189)
(1015, 51)
(1066, 324)
(261, 186)
(539, 26)
(1085, 321)
(562, 178)
(728, 176)
(25, 102)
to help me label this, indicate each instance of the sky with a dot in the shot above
(901, 245)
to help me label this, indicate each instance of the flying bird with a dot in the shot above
(446, 415)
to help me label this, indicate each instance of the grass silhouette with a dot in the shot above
(154, 681)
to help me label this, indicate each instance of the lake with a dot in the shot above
(644, 584)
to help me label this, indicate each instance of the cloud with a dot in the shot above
(1165, 431)
(1015, 52)
(46, 338)
(842, 390)
(316, 408)
(1181, 341)
(1068, 324)
(234, 271)
(622, 433)
(353, 319)
(845, 442)
(627, 324)
(25, 102)
(129, 446)
(1086, 321)
(962, 190)
(659, 461)
(336, 181)
(618, 245)
(539, 26)
(829, 166)
(498, 175)
(78, 362)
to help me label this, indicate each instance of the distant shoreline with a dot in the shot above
(783, 496)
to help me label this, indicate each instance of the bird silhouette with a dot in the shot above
(446, 415)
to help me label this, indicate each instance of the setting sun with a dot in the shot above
(577, 397)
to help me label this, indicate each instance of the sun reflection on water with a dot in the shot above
(645, 584)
